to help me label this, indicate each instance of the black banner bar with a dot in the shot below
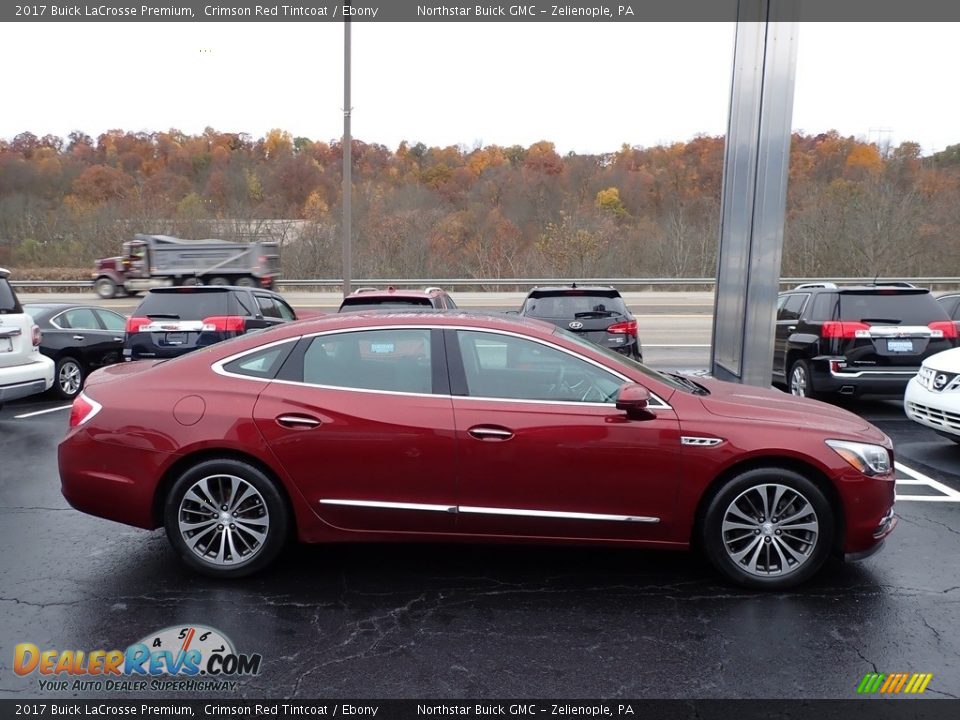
(485, 11)
(874, 709)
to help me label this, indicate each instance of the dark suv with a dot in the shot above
(596, 313)
(175, 320)
(857, 340)
(371, 298)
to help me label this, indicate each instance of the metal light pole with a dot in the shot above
(347, 161)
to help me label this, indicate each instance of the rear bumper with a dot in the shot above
(860, 382)
(22, 381)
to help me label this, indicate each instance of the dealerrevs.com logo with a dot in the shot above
(188, 658)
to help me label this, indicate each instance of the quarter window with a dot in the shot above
(111, 320)
(392, 360)
(261, 364)
(504, 366)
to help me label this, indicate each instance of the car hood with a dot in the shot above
(946, 361)
(746, 402)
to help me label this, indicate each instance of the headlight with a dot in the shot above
(868, 459)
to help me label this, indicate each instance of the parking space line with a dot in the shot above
(947, 493)
(41, 412)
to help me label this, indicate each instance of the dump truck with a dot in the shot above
(150, 261)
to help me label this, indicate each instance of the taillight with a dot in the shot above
(845, 330)
(36, 336)
(943, 329)
(624, 328)
(224, 323)
(135, 323)
(83, 409)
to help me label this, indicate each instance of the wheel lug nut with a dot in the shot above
(767, 539)
(778, 532)
(223, 507)
(219, 527)
(756, 532)
(232, 526)
(774, 520)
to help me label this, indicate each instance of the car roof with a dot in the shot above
(195, 288)
(574, 289)
(392, 292)
(863, 289)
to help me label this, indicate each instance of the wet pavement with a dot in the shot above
(456, 621)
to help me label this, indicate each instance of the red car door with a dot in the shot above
(544, 452)
(361, 432)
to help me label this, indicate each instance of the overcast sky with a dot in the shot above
(588, 88)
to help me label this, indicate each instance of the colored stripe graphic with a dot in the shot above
(894, 683)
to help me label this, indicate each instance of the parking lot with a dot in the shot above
(445, 621)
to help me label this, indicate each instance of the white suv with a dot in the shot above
(23, 370)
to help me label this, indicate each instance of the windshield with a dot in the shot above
(624, 362)
(385, 303)
(889, 308)
(568, 304)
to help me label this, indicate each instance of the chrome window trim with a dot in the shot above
(217, 367)
(53, 320)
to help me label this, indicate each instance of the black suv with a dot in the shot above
(597, 313)
(173, 321)
(857, 340)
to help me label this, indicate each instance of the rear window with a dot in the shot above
(563, 304)
(187, 305)
(8, 300)
(891, 307)
(383, 303)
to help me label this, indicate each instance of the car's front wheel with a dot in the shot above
(226, 518)
(768, 528)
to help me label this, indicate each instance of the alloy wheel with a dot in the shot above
(69, 378)
(223, 520)
(770, 530)
(798, 381)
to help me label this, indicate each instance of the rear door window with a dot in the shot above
(79, 319)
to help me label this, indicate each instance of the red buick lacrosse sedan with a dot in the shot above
(451, 426)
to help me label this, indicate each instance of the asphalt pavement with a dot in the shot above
(461, 621)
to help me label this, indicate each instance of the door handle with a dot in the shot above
(118, 339)
(298, 421)
(79, 337)
(791, 328)
(482, 432)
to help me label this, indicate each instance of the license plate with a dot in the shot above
(176, 338)
(899, 345)
(6, 345)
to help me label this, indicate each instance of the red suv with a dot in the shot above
(371, 298)
(432, 426)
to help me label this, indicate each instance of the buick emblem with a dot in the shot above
(575, 325)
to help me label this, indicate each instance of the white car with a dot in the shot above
(933, 394)
(23, 370)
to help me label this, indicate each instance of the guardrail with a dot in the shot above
(524, 283)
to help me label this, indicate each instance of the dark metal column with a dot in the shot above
(347, 163)
(756, 164)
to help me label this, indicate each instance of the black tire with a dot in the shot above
(770, 543)
(217, 280)
(266, 507)
(105, 288)
(68, 377)
(245, 281)
(800, 381)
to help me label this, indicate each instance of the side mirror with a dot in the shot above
(633, 399)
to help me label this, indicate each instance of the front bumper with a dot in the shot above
(22, 381)
(939, 411)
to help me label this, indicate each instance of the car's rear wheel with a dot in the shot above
(69, 378)
(800, 383)
(218, 280)
(226, 518)
(245, 281)
(768, 528)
